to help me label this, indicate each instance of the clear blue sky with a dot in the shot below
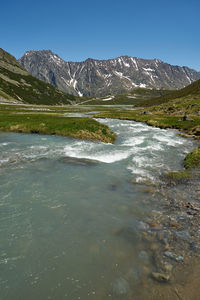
(78, 29)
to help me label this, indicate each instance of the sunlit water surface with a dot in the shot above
(70, 227)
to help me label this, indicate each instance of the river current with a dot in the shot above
(72, 212)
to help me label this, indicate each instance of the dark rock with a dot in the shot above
(186, 118)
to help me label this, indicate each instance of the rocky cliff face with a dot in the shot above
(102, 77)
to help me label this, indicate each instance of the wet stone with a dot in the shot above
(160, 277)
(142, 226)
(173, 256)
(156, 227)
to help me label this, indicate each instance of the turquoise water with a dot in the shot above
(72, 212)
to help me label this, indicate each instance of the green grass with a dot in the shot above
(178, 176)
(49, 123)
(133, 97)
(191, 91)
(8, 58)
(32, 90)
(192, 160)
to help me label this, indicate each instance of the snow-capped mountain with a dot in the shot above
(102, 77)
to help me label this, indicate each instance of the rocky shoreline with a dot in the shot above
(172, 235)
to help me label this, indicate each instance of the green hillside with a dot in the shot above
(191, 92)
(17, 84)
(133, 97)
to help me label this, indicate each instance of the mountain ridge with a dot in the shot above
(96, 77)
(103, 59)
(17, 85)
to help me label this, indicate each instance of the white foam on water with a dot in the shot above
(170, 140)
(133, 141)
(3, 161)
(154, 147)
(141, 174)
(38, 147)
(100, 152)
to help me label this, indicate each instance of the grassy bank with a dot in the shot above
(191, 161)
(49, 123)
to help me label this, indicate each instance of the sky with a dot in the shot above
(79, 29)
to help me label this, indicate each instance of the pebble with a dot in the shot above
(161, 277)
(143, 226)
(155, 226)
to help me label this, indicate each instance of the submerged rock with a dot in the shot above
(142, 226)
(143, 255)
(77, 161)
(120, 286)
(129, 234)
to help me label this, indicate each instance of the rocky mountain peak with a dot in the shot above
(102, 77)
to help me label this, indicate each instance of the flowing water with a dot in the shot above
(72, 212)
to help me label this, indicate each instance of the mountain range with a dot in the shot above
(97, 78)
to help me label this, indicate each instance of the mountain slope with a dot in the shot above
(185, 95)
(133, 97)
(102, 77)
(17, 84)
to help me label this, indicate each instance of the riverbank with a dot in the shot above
(176, 252)
(189, 126)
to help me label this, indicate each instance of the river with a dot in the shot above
(72, 212)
